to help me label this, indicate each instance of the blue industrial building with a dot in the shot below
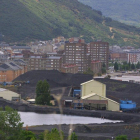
(76, 92)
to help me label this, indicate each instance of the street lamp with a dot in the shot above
(112, 138)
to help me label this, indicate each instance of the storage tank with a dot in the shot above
(128, 104)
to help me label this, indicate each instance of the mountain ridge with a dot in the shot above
(125, 11)
(25, 20)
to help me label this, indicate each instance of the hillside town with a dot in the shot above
(71, 55)
(74, 71)
(69, 70)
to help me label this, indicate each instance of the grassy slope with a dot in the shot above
(44, 19)
(17, 21)
(126, 11)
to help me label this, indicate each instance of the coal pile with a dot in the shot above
(55, 79)
(120, 90)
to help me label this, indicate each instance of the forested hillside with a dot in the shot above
(44, 19)
(126, 11)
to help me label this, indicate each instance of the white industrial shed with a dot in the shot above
(9, 95)
(95, 91)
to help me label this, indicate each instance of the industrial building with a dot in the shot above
(93, 94)
(9, 95)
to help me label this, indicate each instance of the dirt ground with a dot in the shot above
(96, 132)
(55, 79)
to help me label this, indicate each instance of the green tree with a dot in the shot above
(28, 135)
(135, 139)
(10, 125)
(103, 70)
(54, 134)
(138, 65)
(129, 64)
(122, 137)
(39, 88)
(41, 136)
(89, 71)
(116, 66)
(103, 65)
(43, 93)
(108, 77)
(132, 66)
(73, 136)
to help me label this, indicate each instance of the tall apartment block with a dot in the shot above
(100, 51)
(76, 53)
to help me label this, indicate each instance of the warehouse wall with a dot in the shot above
(93, 87)
(8, 95)
(112, 105)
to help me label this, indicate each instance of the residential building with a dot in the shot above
(100, 51)
(88, 48)
(9, 71)
(59, 39)
(76, 53)
(96, 66)
(88, 61)
(120, 56)
(39, 62)
(20, 56)
(5, 46)
(27, 53)
(3, 57)
(44, 48)
(69, 68)
(20, 48)
(76, 40)
(53, 63)
(36, 62)
(133, 57)
(53, 54)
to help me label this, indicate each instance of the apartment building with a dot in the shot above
(133, 57)
(121, 56)
(69, 68)
(36, 62)
(53, 63)
(96, 66)
(100, 51)
(76, 39)
(39, 62)
(76, 53)
(20, 48)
